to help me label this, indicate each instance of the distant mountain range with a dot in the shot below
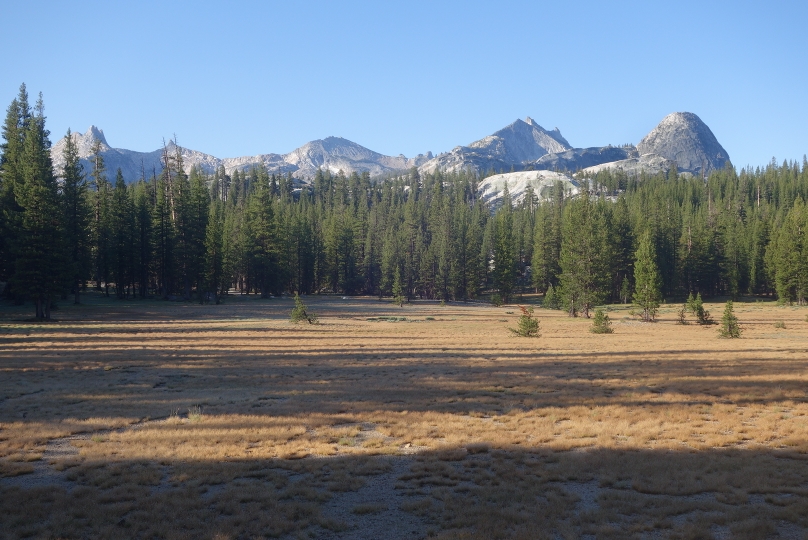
(681, 139)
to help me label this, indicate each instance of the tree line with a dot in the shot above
(178, 233)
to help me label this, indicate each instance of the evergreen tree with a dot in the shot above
(398, 290)
(300, 312)
(504, 250)
(122, 228)
(601, 324)
(39, 251)
(528, 323)
(584, 277)
(101, 227)
(788, 256)
(551, 299)
(15, 128)
(263, 241)
(214, 251)
(143, 195)
(77, 216)
(646, 279)
(729, 323)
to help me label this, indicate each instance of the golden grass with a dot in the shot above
(206, 414)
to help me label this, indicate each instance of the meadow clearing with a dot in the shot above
(151, 419)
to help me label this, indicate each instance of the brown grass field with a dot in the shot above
(149, 419)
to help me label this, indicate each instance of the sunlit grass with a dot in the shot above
(185, 400)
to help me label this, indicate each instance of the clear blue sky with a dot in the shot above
(241, 78)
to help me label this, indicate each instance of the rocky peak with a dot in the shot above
(683, 138)
(95, 134)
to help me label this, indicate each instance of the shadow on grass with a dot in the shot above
(476, 491)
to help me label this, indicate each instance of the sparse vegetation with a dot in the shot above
(780, 325)
(696, 307)
(528, 325)
(729, 322)
(300, 312)
(449, 410)
(601, 324)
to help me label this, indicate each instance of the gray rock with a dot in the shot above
(649, 164)
(333, 154)
(513, 146)
(684, 139)
(581, 158)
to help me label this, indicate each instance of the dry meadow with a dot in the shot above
(149, 419)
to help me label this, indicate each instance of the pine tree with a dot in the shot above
(729, 323)
(398, 290)
(646, 279)
(15, 128)
(40, 248)
(625, 290)
(601, 324)
(263, 241)
(122, 228)
(143, 195)
(214, 251)
(300, 312)
(504, 250)
(77, 216)
(528, 324)
(101, 227)
(584, 276)
(551, 299)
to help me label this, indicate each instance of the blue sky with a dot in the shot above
(243, 78)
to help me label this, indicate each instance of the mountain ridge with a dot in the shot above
(682, 139)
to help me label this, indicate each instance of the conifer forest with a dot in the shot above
(184, 234)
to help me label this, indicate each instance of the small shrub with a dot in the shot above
(681, 315)
(696, 306)
(528, 324)
(601, 324)
(299, 312)
(195, 413)
(443, 303)
(496, 300)
(729, 323)
(780, 324)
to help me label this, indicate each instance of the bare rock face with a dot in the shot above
(515, 145)
(338, 154)
(581, 158)
(332, 154)
(681, 138)
(649, 164)
(687, 141)
(542, 184)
